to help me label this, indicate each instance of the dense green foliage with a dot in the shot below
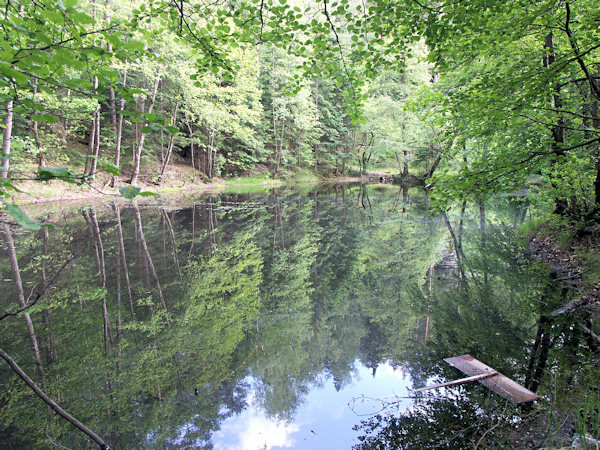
(459, 93)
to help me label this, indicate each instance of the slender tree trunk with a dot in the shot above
(140, 105)
(118, 298)
(94, 142)
(169, 146)
(483, 241)
(50, 347)
(316, 146)
(16, 275)
(112, 101)
(91, 142)
(119, 134)
(66, 121)
(461, 223)
(191, 131)
(193, 157)
(280, 147)
(138, 152)
(211, 152)
(102, 274)
(173, 241)
(593, 109)
(116, 207)
(558, 130)
(8, 123)
(436, 163)
(35, 128)
(138, 220)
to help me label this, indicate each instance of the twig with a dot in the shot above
(485, 434)
(40, 294)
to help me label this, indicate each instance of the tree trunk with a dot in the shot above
(316, 146)
(191, 131)
(594, 107)
(66, 121)
(94, 142)
(50, 347)
(8, 122)
(558, 130)
(138, 220)
(280, 150)
(36, 130)
(102, 274)
(116, 207)
(169, 146)
(173, 241)
(434, 166)
(138, 152)
(119, 134)
(16, 275)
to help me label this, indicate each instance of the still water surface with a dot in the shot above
(265, 320)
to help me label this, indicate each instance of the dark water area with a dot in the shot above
(271, 320)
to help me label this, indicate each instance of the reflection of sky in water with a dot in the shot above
(323, 420)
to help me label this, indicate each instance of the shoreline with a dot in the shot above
(35, 192)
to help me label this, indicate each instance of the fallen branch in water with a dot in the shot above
(61, 412)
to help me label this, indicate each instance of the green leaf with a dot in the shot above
(22, 219)
(60, 173)
(109, 168)
(33, 105)
(19, 77)
(148, 194)
(49, 118)
(130, 192)
(134, 45)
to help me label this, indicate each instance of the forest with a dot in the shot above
(470, 98)
(166, 320)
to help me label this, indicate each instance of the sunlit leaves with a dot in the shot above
(58, 173)
(130, 192)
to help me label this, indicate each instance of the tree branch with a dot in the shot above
(593, 86)
(41, 293)
(51, 403)
(339, 45)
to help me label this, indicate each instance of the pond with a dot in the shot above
(279, 319)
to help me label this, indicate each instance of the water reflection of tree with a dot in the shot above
(452, 422)
(496, 307)
(277, 294)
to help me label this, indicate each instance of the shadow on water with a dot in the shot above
(254, 319)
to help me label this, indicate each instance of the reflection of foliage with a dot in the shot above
(277, 295)
(441, 423)
(222, 299)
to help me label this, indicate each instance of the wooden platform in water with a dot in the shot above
(496, 382)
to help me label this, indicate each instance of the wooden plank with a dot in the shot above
(498, 383)
(457, 382)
